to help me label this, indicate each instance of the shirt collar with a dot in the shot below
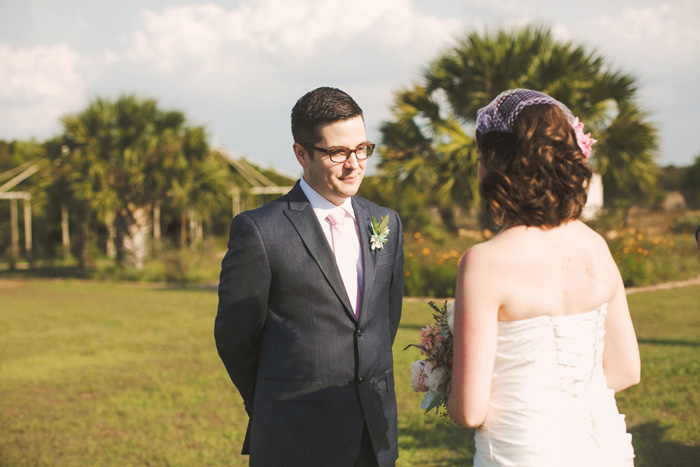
(321, 206)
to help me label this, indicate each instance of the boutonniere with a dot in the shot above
(380, 232)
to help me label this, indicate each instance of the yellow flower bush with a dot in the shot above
(646, 258)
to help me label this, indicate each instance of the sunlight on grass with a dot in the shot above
(103, 374)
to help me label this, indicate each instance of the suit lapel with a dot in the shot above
(304, 220)
(363, 217)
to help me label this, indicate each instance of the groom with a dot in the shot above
(310, 301)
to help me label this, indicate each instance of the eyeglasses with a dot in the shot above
(341, 154)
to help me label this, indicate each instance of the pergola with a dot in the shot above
(14, 177)
(259, 183)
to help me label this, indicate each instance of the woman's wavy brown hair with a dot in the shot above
(536, 176)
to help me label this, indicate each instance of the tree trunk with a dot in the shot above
(111, 246)
(65, 231)
(137, 230)
(156, 226)
(448, 218)
(84, 241)
(193, 227)
(183, 228)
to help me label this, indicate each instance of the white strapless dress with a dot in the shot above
(549, 403)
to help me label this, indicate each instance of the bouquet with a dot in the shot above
(432, 375)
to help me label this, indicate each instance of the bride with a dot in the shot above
(542, 331)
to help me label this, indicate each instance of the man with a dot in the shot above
(310, 302)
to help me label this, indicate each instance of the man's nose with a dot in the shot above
(352, 162)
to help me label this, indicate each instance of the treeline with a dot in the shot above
(125, 177)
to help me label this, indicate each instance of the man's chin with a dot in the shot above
(351, 190)
(350, 187)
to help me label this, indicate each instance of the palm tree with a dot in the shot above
(202, 188)
(435, 118)
(426, 150)
(625, 158)
(165, 164)
(126, 158)
(54, 201)
(108, 143)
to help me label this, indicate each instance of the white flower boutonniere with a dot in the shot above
(380, 232)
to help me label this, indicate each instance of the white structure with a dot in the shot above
(594, 204)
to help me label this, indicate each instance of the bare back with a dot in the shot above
(561, 271)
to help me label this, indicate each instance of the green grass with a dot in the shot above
(111, 374)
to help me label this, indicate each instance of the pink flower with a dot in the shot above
(436, 379)
(438, 339)
(426, 342)
(584, 140)
(431, 339)
(418, 375)
(427, 330)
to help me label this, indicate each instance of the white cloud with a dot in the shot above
(206, 43)
(659, 36)
(39, 84)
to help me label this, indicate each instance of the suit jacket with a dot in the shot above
(308, 371)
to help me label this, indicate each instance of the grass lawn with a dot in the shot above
(105, 374)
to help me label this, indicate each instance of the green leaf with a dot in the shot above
(430, 401)
(375, 227)
(384, 223)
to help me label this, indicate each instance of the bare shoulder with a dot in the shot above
(589, 232)
(595, 240)
(482, 259)
(607, 274)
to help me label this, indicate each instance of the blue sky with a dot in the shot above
(237, 67)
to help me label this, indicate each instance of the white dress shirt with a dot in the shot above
(322, 207)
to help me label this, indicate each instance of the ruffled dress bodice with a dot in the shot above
(549, 404)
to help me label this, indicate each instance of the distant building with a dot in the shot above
(594, 204)
(674, 201)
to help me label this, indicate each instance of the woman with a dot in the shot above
(542, 330)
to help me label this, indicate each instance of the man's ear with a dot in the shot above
(301, 154)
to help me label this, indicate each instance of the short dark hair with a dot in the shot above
(319, 107)
(536, 176)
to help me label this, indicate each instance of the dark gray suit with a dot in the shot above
(309, 373)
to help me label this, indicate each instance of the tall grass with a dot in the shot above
(103, 374)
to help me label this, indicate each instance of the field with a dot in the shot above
(111, 375)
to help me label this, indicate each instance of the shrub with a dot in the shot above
(645, 258)
(685, 224)
(431, 263)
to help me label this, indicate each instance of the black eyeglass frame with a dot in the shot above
(345, 151)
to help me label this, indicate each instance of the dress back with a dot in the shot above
(549, 404)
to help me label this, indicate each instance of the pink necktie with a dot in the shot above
(342, 248)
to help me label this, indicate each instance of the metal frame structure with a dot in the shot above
(259, 183)
(16, 176)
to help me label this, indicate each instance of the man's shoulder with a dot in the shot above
(268, 209)
(372, 207)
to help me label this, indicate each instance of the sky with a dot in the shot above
(238, 67)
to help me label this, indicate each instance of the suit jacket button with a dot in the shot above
(361, 379)
(359, 333)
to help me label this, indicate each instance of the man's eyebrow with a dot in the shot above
(338, 147)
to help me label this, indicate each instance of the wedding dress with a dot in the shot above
(549, 402)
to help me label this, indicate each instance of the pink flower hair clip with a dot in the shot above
(501, 113)
(584, 140)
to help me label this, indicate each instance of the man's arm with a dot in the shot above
(243, 295)
(396, 289)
